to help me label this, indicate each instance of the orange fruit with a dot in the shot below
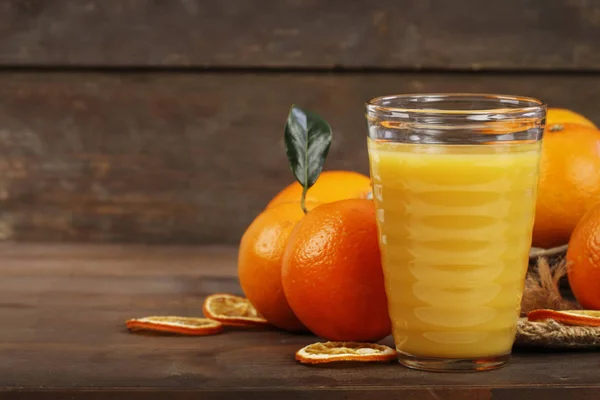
(259, 263)
(583, 260)
(569, 182)
(319, 353)
(232, 310)
(175, 325)
(332, 275)
(330, 186)
(556, 116)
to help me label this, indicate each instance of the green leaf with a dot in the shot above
(307, 141)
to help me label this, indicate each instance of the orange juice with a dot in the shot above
(455, 224)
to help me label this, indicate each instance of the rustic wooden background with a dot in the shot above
(161, 121)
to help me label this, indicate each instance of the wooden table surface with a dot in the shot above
(62, 309)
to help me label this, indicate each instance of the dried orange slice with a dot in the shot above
(318, 353)
(232, 310)
(567, 317)
(175, 325)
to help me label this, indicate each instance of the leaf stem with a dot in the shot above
(303, 199)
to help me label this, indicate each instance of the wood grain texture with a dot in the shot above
(63, 309)
(190, 158)
(439, 34)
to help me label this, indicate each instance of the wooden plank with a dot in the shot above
(63, 337)
(548, 393)
(271, 394)
(438, 34)
(190, 158)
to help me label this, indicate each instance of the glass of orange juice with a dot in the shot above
(454, 183)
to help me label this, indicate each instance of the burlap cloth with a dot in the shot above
(542, 290)
(552, 334)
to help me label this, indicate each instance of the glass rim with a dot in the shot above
(529, 104)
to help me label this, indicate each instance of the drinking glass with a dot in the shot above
(454, 184)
